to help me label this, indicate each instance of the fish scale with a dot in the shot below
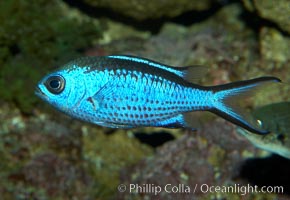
(147, 108)
(120, 91)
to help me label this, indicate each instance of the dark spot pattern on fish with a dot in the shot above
(125, 91)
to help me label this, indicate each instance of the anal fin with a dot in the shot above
(115, 125)
(177, 121)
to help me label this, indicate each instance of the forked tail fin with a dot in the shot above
(225, 98)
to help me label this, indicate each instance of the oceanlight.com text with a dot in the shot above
(241, 189)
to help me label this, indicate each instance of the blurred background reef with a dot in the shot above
(47, 155)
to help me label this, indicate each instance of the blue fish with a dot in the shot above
(121, 91)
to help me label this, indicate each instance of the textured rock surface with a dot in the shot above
(214, 156)
(36, 34)
(47, 155)
(274, 45)
(141, 10)
(45, 159)
(275, 11)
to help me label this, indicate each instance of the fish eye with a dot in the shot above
(259, 123)
(55, 84)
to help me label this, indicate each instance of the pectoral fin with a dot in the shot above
(105, 91)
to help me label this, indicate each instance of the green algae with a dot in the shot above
(141, 10)
(275, 47)
(42, 159)
(40, 35)
(217, 156)
(106, 155)
(275, 11)
(222, 42)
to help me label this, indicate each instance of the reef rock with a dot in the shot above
(275, 11)
(141, 10)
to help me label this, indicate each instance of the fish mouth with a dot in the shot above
(38, 92)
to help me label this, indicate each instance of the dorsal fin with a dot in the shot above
(189, 73)
(194, 73)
